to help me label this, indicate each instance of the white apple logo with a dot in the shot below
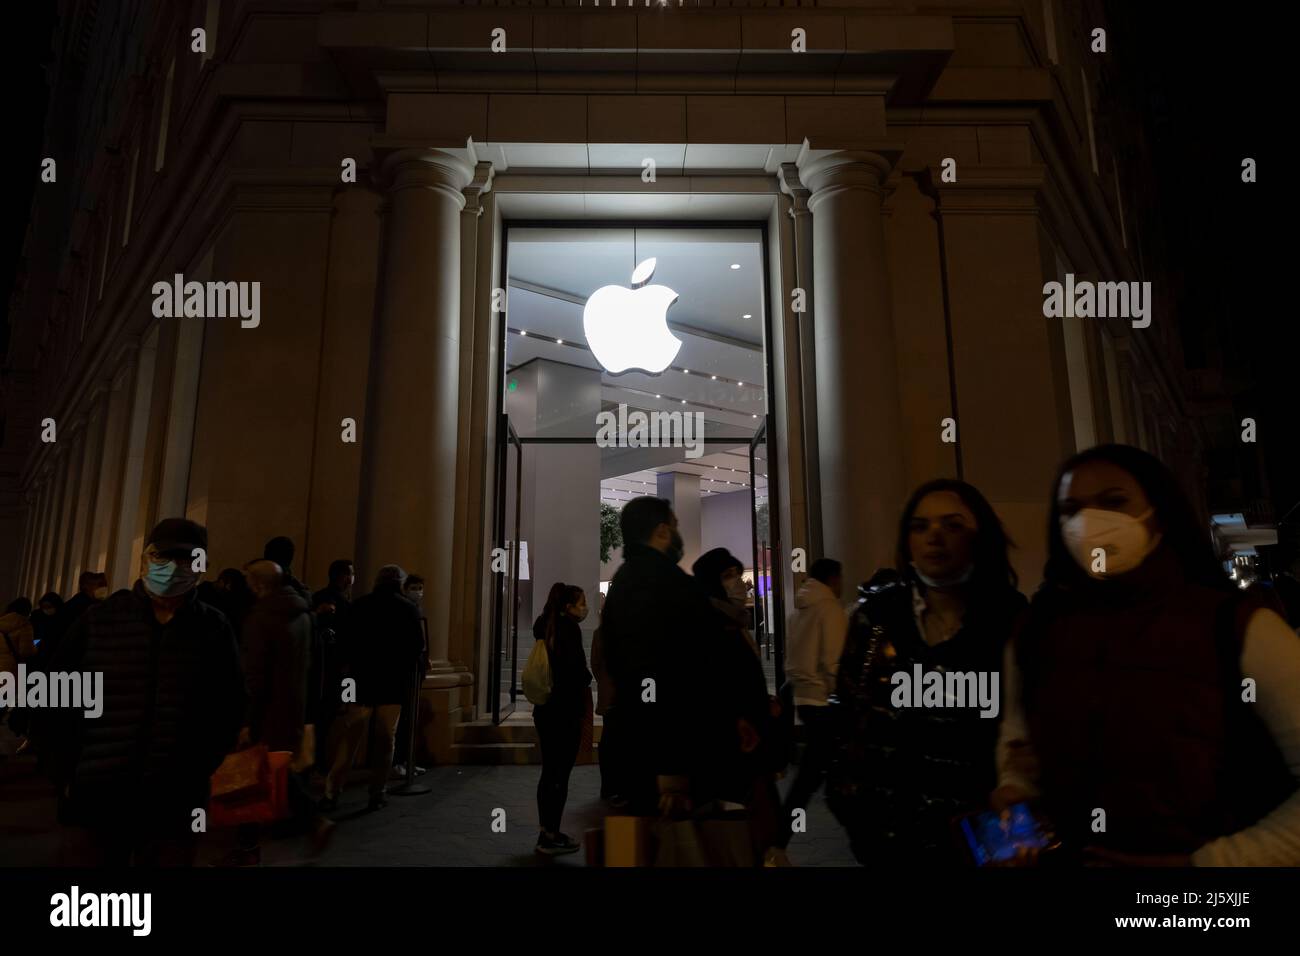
(628, 328)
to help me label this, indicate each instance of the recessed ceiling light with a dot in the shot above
(658, 396)
(753, 416)
(735, 265)
(559, 341)
(740, 385)
(683, 401)
(523, 332)
(747, 316)
(715, 378)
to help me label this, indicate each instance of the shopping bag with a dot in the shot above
(537, 679)
(243, 770)
(628, 840)
(710, 841)
(587, 736)
(265, 803)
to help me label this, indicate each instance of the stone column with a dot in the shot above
(859, 436)
(683, 490)
(802, 232)
(408, 500)
(464, 576)
(85, 506)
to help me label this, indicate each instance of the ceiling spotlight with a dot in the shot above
(683, 401)
(559, 341)
(523, 331)
(735, 265)
(715, 378)
(746, 316)
(753, 416)
(658, 396)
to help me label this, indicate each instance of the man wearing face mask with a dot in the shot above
(173, 700)
(666, 656)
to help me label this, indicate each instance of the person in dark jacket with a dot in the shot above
(230, 595)
(92, 587)
(385, 647)
(46, 621)
(900, 772)
(666, 656)
(129, 782)
(753, 768)
(281, 550)
(277, 647)
(559, 720)
(331, 605)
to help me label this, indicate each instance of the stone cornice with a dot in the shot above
(453, 45)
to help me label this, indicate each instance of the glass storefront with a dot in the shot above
(634, 363)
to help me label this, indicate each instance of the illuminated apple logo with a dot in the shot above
(628, 328)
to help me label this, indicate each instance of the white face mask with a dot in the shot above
(1124, 538)
(961, 577)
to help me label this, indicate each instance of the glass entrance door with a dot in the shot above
(507, 568)
(769, 613)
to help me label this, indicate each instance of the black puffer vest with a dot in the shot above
(900, 774)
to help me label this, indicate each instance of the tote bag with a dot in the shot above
(536, 678)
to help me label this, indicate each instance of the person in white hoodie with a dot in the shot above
(813, 646)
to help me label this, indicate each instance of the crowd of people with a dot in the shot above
(1149, 707)
(1148, 711)
(193, 672)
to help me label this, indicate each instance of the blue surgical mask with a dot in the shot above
(168, 579)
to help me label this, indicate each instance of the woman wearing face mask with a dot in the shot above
(559, 720)
(901, 772)
(1125, 686)
(758, 752)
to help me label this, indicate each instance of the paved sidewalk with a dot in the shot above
(451, 826)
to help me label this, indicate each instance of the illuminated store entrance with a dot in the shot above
(635, 363)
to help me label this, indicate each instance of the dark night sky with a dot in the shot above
(1206, 85)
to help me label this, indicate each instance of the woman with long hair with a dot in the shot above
(559, 720)
(910, 758)
(1152, 706)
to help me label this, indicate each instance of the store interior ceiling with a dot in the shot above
(719, 370)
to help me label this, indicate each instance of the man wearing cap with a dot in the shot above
(130, 781)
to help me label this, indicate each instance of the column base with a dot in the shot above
(440, 711)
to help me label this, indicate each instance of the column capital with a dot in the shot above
(480, 184)
(827, 172)
(787, 175)
(404, 166)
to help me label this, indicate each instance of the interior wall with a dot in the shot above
(726, 523)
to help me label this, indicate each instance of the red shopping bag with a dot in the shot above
(265, 802)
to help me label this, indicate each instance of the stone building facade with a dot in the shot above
(923, 289)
